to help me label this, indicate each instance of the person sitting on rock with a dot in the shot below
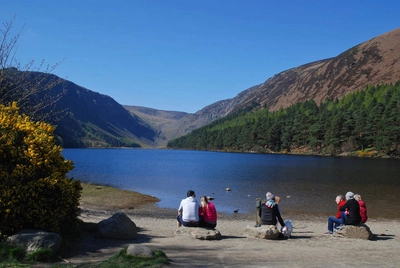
(352, 206)
(363, 208)
(339, 219)
(269, 212)
(207, 213)
(188, 211)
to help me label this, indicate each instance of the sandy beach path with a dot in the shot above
(308, 246)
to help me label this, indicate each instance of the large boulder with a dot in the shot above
(199, 233)
(264, 232)
(361, 231)
(139, 250)
(119, 226)
(33, 240)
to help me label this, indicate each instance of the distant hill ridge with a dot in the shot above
(95, 120)
(373, 62)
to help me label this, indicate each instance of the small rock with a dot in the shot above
(263, 232)
(199, 233)
(139, 250)
(361, 231)
(119, 226)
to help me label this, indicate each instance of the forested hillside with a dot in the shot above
(365, 122)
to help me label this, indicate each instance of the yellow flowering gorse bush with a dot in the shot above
(35, 191)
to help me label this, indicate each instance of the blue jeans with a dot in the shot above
(186, 223)
(333, 222)
(343, 217)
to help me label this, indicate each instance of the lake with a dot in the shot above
(307, 184)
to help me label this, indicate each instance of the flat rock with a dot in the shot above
(361, 231)
(263, 232)
(198, 233)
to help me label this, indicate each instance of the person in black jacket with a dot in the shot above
(269, 212)
(353, 208)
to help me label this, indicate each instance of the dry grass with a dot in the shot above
(112, 198)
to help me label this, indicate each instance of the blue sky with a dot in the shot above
(183, 55)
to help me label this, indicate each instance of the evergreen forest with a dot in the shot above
(362, 123)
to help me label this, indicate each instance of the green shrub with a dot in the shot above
(17, 254)
(40, 255)
(35, 191)
(9, 253)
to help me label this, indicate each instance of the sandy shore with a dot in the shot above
(308, 246)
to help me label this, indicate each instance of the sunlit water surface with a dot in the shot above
(307, 184)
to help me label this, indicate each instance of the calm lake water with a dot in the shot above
(307, 184)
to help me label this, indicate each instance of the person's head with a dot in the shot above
(357, 197)
(349, 195)
(269, 196)
(277, 199)
(191, 193)
(339, 198)
(204, 201)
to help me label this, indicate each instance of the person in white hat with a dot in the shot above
(269, 212)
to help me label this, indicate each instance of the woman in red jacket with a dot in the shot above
(207, 213)
(363, 208)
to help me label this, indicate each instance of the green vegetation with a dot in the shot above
(35, 192)
(11, 254)
(123, 260)
(96, 196)
(16, 257)
(363, 123)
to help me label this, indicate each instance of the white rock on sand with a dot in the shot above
(307, 247)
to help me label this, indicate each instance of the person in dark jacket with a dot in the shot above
(353, 208)
(269, 212)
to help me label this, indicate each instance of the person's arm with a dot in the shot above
(278, 215)
(180, 208)
(343, 208)
(201, 211)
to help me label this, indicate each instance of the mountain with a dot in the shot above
(89, 119)
(373, 62)
(164, 122)
(85, 118)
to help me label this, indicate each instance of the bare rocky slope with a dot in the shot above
(373, 62)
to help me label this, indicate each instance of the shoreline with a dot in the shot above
(152, 210)
(156, 226)
(307, 247)
(103, 197)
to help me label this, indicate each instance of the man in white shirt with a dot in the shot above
(188, 211)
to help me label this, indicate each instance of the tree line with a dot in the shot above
(365, 122)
